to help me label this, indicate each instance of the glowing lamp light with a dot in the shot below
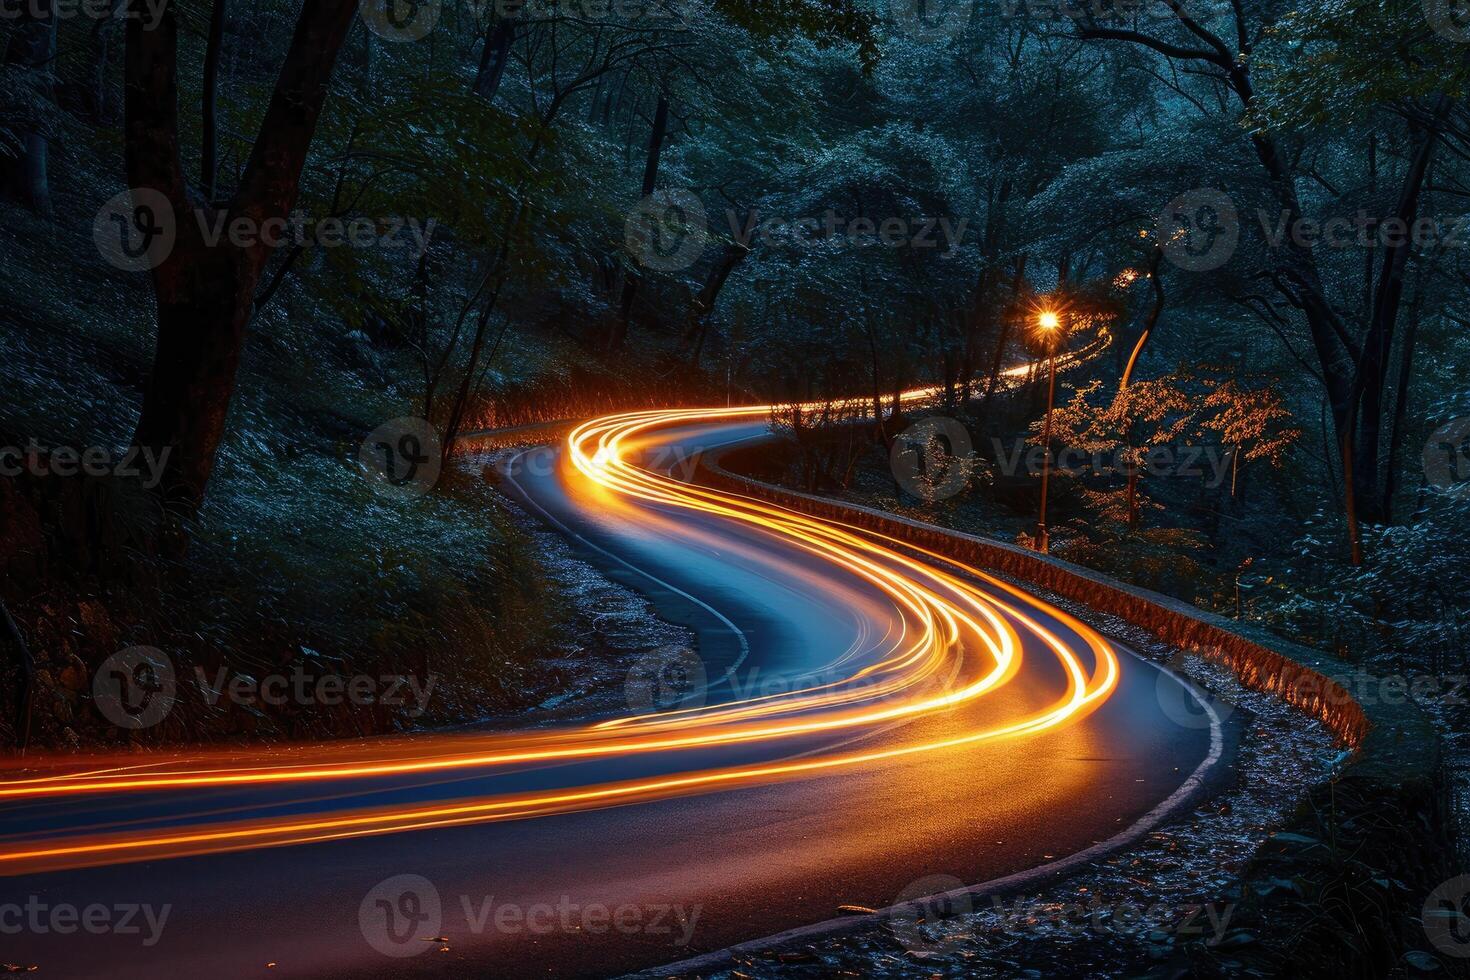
(1048, 320)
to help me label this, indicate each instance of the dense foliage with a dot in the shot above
(1248, 211)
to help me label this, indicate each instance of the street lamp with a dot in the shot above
(1047, 325)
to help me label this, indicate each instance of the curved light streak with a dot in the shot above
(953, 644)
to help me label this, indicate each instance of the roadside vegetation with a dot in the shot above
(242, 241)
(1247, 221)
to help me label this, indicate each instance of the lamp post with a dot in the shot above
(1047, 324)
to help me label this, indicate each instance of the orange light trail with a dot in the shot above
(952, 644)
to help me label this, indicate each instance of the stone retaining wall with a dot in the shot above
(1384, 817)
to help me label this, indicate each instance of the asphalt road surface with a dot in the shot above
(856, 718)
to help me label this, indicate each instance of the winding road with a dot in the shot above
(858, 717)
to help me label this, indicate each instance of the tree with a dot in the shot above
(30, 63)
(1253, 423)
(1351, 365)
(1127, 428)
(205, 290)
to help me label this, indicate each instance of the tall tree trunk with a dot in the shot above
(1300, 272)
(704, 303)
(33, 47)
(204, 292)
(650, 181)
(998, 360)
(612, 106)
(209, 123)
(1353, 375)
(470, 380)
(1341, 362)
(1372, 373)
(1401, 407)
(982, 310)
(1370, 257)
(494, 58)
(1350, 507)
(1154, 313)
(949, 371)
(875, 362)
(978, 325)
(99, 60)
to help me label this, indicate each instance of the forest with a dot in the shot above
(1184, 283)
